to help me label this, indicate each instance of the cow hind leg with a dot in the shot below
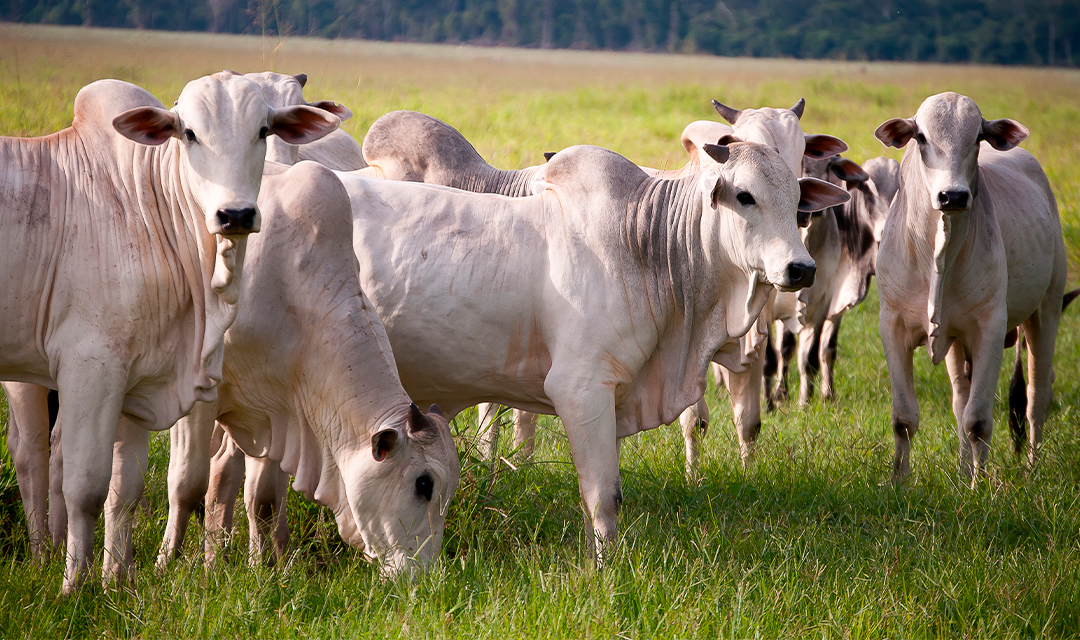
(265, 491)
(809, 338)
(28, 445)
(783, 364)
(770, 376)
(830, 331)
(226, 478)
(129, 463)
(1041, 333)
(1018, 400)
(190, 442)
(489, 415)
(524, 433)
(693, 420)
(58, 523)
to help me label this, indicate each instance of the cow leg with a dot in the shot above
(58, 523)
(1041, 333)
(489, 415)
(956, 363)
(899, 349)
(265, 491)
(830, 331)
(783, 363)
(130, 455)
(979, 413)
(28, 444)
(189, 475)
(744, 392)
(770, 375)
(587, 410)
(91, 399)
(524, 433)
(809, 339)
(694, 419)
(226, 478)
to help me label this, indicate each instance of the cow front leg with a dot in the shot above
(28, 444)
(91, 394)
(130, 455)
(265, 491)
(809, 339)
(58, 523)
(488, 416)
(587, 410)
(899, 347)
(978, 424)
(692, 420)
(524, 433)
(830, 331)
(1041, 333)
(959, 372)
(226, 478)
(744, 392)
(189, 475)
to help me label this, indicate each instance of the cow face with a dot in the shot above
(403, 491)
(283, 90)
(947, 130)
(222, 122)
(781, 129)
(754, 199)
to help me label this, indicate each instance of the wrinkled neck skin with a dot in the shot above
(507, 183)
(937, 242)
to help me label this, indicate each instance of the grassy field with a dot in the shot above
(810, 541)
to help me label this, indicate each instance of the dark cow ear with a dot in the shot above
(726, 112)
(341, 111)
(435, 409)
(716, 193)
(1003, 134)
(548, 155)
(823, 146)
(798, 108)
(727, 139)
(815, 195)
(896, 132)
(148, 125)
(417, 420)
(717, 152)
(302, 79)
(301, 124)
(383, 444)
(848, 170)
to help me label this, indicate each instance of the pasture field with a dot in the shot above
(811, 540)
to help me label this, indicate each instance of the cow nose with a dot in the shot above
(236, 220)
(953, 199)
(800, 275)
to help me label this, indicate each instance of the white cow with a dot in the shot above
(601, 300)
(972, 248)
(122, 266)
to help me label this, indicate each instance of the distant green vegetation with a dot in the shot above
(811, 541)
(1030, 32)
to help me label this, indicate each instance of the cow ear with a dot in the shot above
(548, 155)
(799, 107)
(848, 170)
(148, 125)
(815, 195)
(896, 132)
(726, 112)
(727, 139)
(302, 79)
(716, 192)
(383, 443)
(1003, 134)
(719, 153)
(435, 409)
(301, 124)
(823, 146)
(339, 110)
(417, 420)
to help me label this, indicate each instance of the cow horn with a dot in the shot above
(726, 112)
(301, 78)
(417, 420)
(798, 108)
(718, 152)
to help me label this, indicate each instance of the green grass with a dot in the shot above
(810, 541)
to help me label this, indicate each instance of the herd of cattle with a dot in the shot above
(586, 287)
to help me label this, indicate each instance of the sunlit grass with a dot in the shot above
(809, 541)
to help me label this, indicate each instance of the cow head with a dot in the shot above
(412, 471)
(283, 90)
(947, 130)
(755, 198)
(780, 129)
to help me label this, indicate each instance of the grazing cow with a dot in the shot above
(601, 300)
(972, 248)
(122, 266)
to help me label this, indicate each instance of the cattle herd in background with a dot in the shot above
(586, 287)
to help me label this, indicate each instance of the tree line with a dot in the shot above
(1032, 32)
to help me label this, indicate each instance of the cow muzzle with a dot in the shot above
(798, 275)
(237, 222)
(952, 200)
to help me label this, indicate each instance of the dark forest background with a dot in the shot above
(1033, 32)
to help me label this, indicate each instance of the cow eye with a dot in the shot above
(189, 135)
(920, 138)
(424, 486)
(744, 197)
(265, 131)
